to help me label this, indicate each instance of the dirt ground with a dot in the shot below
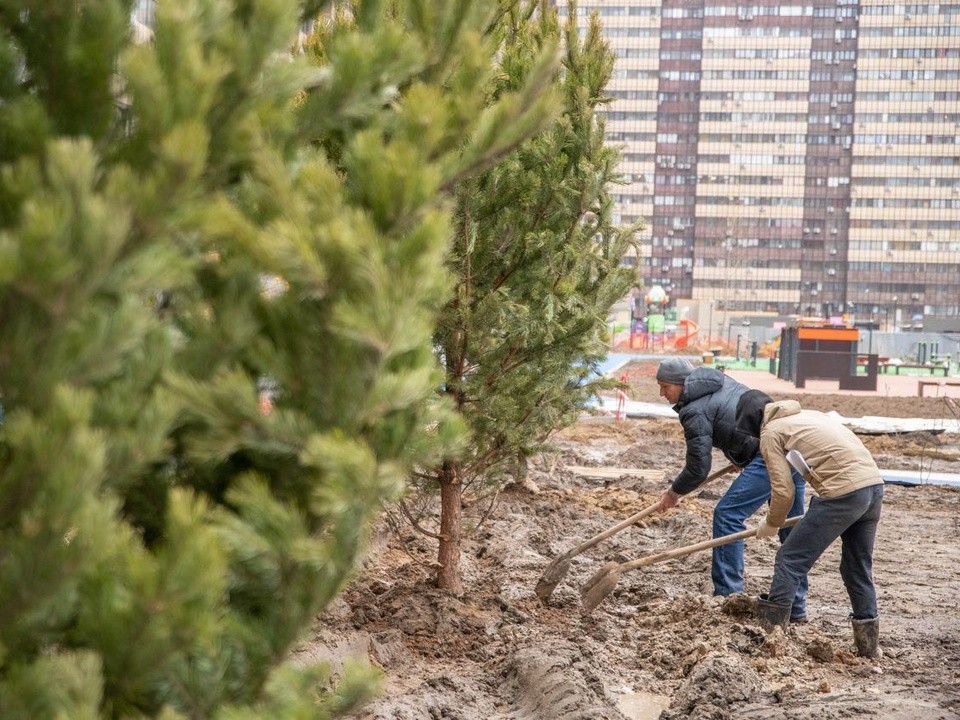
(660, 646)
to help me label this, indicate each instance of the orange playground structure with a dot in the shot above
(686, 335)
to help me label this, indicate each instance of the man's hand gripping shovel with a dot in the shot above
(557, 570)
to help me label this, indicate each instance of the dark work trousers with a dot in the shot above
(853, 518)
(749, 491)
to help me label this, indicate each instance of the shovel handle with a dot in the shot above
(633, 519)
(690, 549)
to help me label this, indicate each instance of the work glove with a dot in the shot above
(765, 531)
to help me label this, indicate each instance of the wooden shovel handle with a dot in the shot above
(633, 519)
(690, 549)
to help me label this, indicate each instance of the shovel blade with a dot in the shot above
(555, 572)
(599, 576)
(599, 586)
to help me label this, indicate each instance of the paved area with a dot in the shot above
(887, 385)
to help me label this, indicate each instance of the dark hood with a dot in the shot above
(750, 408)
(700, 383)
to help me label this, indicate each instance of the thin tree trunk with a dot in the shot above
(451, 490)
(448, 576)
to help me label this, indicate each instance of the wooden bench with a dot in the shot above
(934, 369)
(922, 384)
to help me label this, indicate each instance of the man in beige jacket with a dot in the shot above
(849, 495)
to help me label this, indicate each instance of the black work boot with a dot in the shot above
(866, 636)
(771, 615)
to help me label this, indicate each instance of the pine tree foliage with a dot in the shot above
(189, 228)
(537, 257)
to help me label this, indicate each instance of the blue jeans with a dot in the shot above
(749, 491)
(853, 518)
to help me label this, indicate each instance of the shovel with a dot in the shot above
(596, 589)
(558, 569)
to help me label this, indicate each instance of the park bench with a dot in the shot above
(923, 384)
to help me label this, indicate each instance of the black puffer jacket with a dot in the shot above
(707, 409)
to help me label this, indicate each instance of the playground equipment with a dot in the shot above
(690, 334)
(655, 323)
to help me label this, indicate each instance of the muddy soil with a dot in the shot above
(660, 646)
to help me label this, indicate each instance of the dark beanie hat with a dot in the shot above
(674, 370)
(750, 407)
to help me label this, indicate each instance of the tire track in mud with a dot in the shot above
(551, 687)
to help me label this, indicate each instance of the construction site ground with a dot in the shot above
(660, 646)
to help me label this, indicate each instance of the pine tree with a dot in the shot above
(220, 268)
(538, 261)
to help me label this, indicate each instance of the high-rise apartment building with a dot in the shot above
(791, 157)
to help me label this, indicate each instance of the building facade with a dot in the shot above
(791, 157)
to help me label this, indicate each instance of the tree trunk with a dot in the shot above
(451, 525)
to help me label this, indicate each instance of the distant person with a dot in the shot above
(847, 506)
(706, 401)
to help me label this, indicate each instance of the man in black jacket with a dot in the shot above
(706, 401)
